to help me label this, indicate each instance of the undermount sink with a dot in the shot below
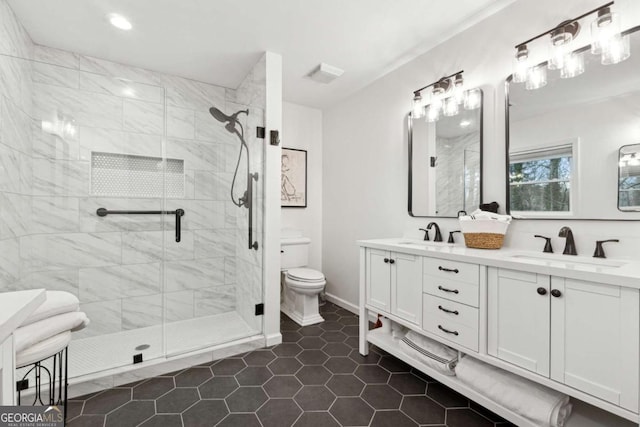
(569, 260)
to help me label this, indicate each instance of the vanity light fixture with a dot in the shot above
(446, 96)
(606, 41)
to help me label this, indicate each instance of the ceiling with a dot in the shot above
(218, 41)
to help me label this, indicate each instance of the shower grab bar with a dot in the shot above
(179, 213)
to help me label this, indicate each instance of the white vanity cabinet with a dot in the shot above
(394, 283)
(582, 334)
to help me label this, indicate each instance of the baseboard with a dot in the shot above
(273, 339)
(347, 305)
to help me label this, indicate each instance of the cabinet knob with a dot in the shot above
(386, 260)
(556, 293)
(392, 261)
(542, 291)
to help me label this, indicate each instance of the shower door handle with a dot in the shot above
(179, 213)
(249, 200)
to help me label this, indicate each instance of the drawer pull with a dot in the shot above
(448, 311)
(448, 331)
(454, 291)
(386, 260)
(448, 270)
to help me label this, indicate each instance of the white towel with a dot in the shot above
(43, 349)
(479, 215)
(26, 336)
(430, 352)
(540, 404)
(57, 302)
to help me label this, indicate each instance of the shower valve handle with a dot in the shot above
(179, 214)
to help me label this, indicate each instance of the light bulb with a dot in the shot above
(616, 51)
(433, 113)
(559, 49)
(521, 64)
(451, 107)
(536, 78)
(603, 30)
(418, 109)
(458, 92)
(472, 99)
(573, 66)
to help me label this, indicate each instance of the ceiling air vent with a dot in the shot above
(325, 73)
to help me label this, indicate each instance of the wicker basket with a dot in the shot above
(483, 240)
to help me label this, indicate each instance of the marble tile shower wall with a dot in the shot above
(15, 144)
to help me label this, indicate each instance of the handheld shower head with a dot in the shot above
(229, 120)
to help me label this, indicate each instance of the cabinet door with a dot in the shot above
(595, 340)
(406, 287)
(519, 318)
(378, 279)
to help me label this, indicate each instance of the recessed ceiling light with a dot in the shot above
(465, 123)
(119, 21)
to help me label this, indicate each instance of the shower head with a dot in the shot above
(229, 120)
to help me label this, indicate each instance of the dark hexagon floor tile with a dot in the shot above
(407, 383)
(313, 375)
(131, 414)
(282, 386)
(381, 397)
(341, 365)
(290, 336)
(393, 364)
(349, 320)
(205, 413)
(353, 342)
(218, 387)
(239, 420)
(74, 408)
(351, 330)
(370, 359)
(314, 398)
(287, 350)
(87, 421)
(107, 401)
(446, 397)
(254, 375)
(246, 399)
(372, 374)
(337, 349)
(330, 317)
(311, 331)
(328, 307)
(228, 367)
(392, 418)
(310, 343)
(177, 400)
(279, 413)
(331, 326)
(333, 336)
(351, 411)
(342, 312)
(153, 388)
(287, 324)
(423, 410)
(172, 420)
(312, 357)
(284, 366)
(422, 375)
(466, 418)
(193, 377)
(316, 419)
(345, 385)
(259, 358)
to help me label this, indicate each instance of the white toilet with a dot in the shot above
(301, 286)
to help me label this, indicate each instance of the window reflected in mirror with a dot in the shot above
(629, 178)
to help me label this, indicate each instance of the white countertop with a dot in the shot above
(15, 307)
(609, 271)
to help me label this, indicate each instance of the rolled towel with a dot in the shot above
(57, 302)
(540, 404)
(29, 335)
(430, 352)
(43, 349)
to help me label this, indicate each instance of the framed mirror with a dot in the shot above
(445, 164)
(564, 141)
(629, 178)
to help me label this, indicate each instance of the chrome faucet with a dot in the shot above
(438, 237)
(570, 245)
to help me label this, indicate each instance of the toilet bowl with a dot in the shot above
(300, 285)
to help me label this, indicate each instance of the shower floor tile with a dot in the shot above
(316, 378)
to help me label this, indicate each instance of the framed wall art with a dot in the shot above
(293, 180)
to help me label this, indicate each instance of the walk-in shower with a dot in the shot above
(128, 206)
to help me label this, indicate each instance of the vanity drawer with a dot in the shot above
(450, 311)
(454, 270)
(453, 290)
(449, 329)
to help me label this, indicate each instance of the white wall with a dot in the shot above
(365, 148)
(302, 129)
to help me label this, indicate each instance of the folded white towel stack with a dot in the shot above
(57, 302)
(542, 405)
(479, 215)
(26, 336)
(430, 352)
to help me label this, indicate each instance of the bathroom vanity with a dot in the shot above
(569, 323)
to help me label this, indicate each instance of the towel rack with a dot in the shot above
(179, 213)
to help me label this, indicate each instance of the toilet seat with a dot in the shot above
(306, 275)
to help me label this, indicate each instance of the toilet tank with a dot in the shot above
(294, 250)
